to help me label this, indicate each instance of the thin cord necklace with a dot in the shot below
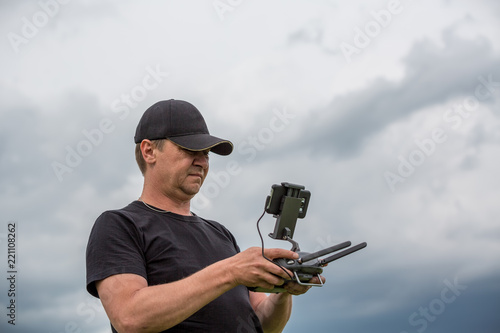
(154, 209)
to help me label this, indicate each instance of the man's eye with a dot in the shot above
(194, 153)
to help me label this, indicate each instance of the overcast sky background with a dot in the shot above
(391, 121)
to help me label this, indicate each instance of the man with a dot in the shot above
(157, 267)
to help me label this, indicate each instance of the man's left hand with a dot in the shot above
(293, 288)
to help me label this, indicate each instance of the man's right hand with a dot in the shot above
(251, 269)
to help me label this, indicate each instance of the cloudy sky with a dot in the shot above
(387, 111)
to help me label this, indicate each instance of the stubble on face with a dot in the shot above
(186, 170)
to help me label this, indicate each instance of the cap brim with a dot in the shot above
(199, 142)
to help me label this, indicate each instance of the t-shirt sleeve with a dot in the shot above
(233, 239)
(114, 247)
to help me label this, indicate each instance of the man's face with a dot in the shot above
(179, 173)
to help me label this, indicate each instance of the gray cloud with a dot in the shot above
(433, 75)
(439, 226)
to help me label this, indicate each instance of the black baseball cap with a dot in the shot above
(181, 123)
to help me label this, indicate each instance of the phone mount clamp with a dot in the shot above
(288, 202)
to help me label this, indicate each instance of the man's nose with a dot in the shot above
(201, 159)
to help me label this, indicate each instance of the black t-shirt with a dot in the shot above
(166, 247)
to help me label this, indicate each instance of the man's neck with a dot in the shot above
(165, 203)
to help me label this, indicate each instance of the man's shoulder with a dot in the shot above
(130, 208)
(130, 213)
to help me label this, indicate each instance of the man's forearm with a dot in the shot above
(133, 306)
(274, 312)
(157, 308)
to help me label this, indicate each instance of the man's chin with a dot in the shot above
(192, 189)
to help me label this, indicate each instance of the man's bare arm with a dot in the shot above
(133, 306)
(275, 310)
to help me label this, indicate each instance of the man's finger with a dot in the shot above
(294, 288)
(280, 253)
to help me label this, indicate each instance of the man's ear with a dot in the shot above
(148, 151)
